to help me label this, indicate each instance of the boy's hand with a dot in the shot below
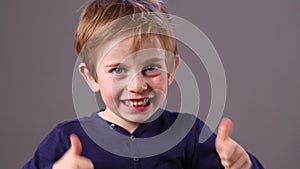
(231, 153)
(72, 159)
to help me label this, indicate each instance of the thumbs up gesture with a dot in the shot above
(232, 154)
(72, 159)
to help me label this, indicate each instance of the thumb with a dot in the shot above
(76, 146)
(225, 129)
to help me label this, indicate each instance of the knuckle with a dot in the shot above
(225, 156)
(225, 164)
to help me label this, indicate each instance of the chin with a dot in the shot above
(138, 118)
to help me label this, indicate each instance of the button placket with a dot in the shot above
(112, 126)
(136, 159)
(132, 137)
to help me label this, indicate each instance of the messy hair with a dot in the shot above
(104, 20)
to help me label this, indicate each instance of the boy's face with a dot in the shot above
(133, 85)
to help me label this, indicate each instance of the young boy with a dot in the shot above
(130, 56)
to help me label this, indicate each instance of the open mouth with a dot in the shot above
(138, 102)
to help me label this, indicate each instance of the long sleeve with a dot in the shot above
(49, 150)
(255, 163)
(203, 154)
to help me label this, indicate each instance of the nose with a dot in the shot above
(137, 84)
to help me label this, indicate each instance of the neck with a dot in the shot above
(118, 120)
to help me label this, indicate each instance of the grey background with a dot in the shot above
(258, 42)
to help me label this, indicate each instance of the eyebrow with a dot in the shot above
(155, 59)
(117, 64)
(113, 65)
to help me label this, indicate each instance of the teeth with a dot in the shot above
(137, 103)
(145, 101)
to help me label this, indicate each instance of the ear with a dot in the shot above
(90, 80)
(172, 74)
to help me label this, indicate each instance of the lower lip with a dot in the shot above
(138, 108)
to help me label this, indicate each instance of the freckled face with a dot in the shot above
(132, 84)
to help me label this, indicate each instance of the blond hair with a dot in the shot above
(103, 20)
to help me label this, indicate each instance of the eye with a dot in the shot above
(151, 68)
(117, 70)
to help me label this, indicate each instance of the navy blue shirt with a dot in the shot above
(170, 141)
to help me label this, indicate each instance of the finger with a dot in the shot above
(225, 129)
(243, 162)
(228, 151)
(85, 163)
(76, 146)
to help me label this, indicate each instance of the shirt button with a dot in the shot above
(112, 126)
(136, 159)
(132, 137)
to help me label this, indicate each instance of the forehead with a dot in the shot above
(145, 41)
(131, 45)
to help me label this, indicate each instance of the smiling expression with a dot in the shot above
(133, 84)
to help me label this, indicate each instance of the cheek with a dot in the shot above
(109, 97)
(106, 95)
(159, 83)
(112, 88)
(106, 89)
